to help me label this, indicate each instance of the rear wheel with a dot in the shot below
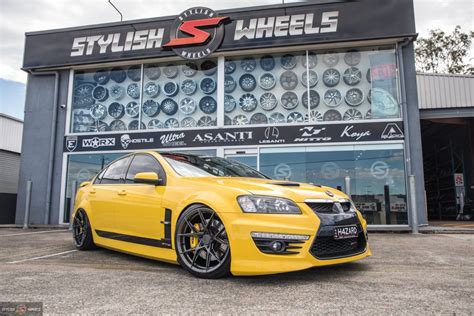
(202, 245)
(82, 232)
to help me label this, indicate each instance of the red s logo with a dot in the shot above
(191, 28)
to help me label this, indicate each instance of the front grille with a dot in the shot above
(326, 247)
(346, 206)
(322, 207)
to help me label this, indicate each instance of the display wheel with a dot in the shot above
(227, 120)
(229, 84)
(134, 73)
(152, 72)
(331, 59)
(312, 60)
(189, 69)
(352, 76)
(208, 105)
(289, 100)
(229, 103)
(208, 85)
(133, 91)
(268, 101)
(82, 95)
(170, 71)
(101, 126)
(332, 98)
(209, 67)
(247, 82)
(100, 93)
(171, 123)
(313, 99)
(229, 67)
(295, 117)
(155, 124)
(116, 110)
(132, 109)
(117, 125)
(248, 102)
(369, 96)
(98, 111)
(384, 104)
(151, 108)
(368, 76)
(118, 75)
(352, 115)
(102, 76)
(240, 120)
(258, 118)
(313, 79)
(331, 77)
(248, 64)
(368, 115)
(133, 125)
(152, 90)
(188, 86)
(288, 80)
(352, 58)
(288, 61)
(267, 62)
(169, 106)
(354, 97)
(277, 118)
(171, 88)
(188, 122)
(187, 106)
(267, 81)
(332, 115)
(206, 121)
(313, 117)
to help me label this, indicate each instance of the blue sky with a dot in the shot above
(12, 98)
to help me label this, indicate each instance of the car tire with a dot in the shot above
(202, 226)
(82, 231)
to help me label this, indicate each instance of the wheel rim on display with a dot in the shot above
(132, 109)
(208, 105)
(332, 98)
(98, 111)
(100, 93)
(152, 90)
(134, 73)
(331, 77)
(295, 117)
(201, 241)
(289, 100)
(101, 76)
(169, 107)
(189, 69)
(312, 59)
(267, 62)
(384, 104)
(313, 117)
(352, 76)
(368, 115)
(206, 121)
(288, 80)
(188, 122)
(229, 84)
(152, 72)
(248, 102)
(117, 92)
(288, 61)
(229, 67)
(313, 79)
(268, 101)
(247, 82)
(155, 124)
(118, 125)
(188, 86)
(331, 59)
(229, 103)
(258, 118)
(352, 58)
(80, 226)
(332, 115)
(277, 118)
(368, 76)
(170, 71)
(209, 67)
(116, 110)
(208, 85)
(248, 64)
(83, 95)
(101, 126)
(133, 125)
(171, 123)
(354, 97)
(133, 91)
(187, 106)
(171, 88)
(313, 99)
(118, 75)
(227, 120)
(240, 120)
(151, 108)
(267, 81)
(352, 115)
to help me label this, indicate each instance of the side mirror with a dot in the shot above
(85, 183)
(147, 178)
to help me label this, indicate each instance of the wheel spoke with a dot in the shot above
(203, 220)
(208, 258)
(214, 254)
(196, 254)
(210, 221)
(190, 225)
(221, 241)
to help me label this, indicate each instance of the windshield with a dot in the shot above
(201, 166)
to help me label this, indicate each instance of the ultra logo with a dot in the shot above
(196, 33)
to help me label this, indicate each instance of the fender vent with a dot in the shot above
(286, 184)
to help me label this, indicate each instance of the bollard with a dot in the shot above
(347, 185)
(26, 220)
(73, 199)
(414, 214)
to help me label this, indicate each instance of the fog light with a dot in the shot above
(277, 246)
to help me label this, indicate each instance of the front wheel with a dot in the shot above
(202, 245)
(82, 232)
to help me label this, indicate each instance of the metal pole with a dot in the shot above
(414, 214)
(347, 184)
(26, 220)
(71, 204)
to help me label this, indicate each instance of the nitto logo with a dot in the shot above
(196, 33)
(97, 142)
(311, 134)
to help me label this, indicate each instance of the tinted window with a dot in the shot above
(99, 177)
(143, 163)
(115, 173)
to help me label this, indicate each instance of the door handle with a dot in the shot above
(92, 191)
(122, 192)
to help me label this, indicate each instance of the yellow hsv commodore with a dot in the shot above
(215, 216)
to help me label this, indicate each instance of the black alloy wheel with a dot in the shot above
(202, 245)
(82, 232)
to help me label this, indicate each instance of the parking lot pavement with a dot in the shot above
(423, 274)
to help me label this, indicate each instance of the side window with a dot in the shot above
(115, 173)
(143, 163)
(99, 177)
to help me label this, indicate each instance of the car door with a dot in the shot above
(103, 194)
(139, 212)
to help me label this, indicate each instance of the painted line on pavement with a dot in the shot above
(41, 232)
(42, 257)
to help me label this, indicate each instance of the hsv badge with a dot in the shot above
(196, 33)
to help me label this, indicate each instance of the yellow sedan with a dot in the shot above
(215, 216)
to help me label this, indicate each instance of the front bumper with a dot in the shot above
(248, 259)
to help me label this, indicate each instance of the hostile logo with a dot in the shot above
(392, 131)
(196, 33)
(97, 142)
(125, 140)
(71, 143)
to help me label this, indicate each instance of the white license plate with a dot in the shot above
(343, 232)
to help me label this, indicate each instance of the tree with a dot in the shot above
(445, 53)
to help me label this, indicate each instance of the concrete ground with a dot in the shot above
(423, 274)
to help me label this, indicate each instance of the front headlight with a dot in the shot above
(267, 205)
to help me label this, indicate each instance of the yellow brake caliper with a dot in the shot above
(193, 240)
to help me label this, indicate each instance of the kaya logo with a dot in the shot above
(348, 132)
(97, 142)
(71, 143)
(311, 134)
(173, 139)
(225, 137)
(392, 131)
(126, 140)
(196, 33)
(272, 136)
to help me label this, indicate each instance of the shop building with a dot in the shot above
(321, 93)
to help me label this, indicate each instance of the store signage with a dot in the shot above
(243, 136)
(197, 32)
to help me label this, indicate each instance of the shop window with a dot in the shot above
(376, 173)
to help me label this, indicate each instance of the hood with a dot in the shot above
(295, 191)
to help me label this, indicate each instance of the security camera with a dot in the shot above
(63, 106)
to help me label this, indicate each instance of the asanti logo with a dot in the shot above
(97, 142)
(225, 137)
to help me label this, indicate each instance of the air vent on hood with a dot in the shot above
(286, 184)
